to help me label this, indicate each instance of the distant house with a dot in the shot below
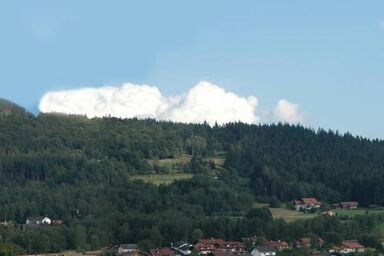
(164, 251)
(278, 245)
(206, 246)
(306, 242)
(263, 251)
(348, 246)
(233, 248)
(38, 221)
(307, 203)
(349, 205)
(127, 249)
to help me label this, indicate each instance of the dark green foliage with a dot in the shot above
(274, 202)
(78, 170)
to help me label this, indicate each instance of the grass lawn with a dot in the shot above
(287, 214)
(158, 179)
(359, 211)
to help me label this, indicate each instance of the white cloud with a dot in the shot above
(382, 24)
(204, 102)
(287, 112)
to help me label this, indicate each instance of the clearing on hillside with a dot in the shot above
(287, 214)
(159, 179)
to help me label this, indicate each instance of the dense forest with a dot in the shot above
(79, 170)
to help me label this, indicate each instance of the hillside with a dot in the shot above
(95, 174)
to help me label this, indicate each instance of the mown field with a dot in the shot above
(173, 168)
(359, 211)
(165, 179)
(287, 214)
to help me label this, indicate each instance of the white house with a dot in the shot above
(263, 251)
(38, 221)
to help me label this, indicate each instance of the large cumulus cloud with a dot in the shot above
(204, 102)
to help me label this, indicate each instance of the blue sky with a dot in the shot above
(326, 56)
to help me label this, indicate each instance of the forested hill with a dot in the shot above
(275, 160)
(83, 171)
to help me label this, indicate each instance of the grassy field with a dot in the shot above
(360, 211)
(171, 161)
(287, 214)
(158, 179)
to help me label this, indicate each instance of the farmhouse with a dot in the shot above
(38, 221)
(348, 246)
(263, 251)
(164, 251)
(349, 205)
(307, 203)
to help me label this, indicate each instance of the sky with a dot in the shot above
(319, 63)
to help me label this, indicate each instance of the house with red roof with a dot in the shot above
(349, 205)
(307, 203)
(206, 246)
(348, 246)
(163, 251)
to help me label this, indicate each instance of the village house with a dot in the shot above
(163, 251)
(349, 205)
(348, 246)
(233, 248)
(263, 251)
(38, 221)
(307, 204)
(306, 242)
(127, 249)
(278, 245)
(206, 246)
(216, 246)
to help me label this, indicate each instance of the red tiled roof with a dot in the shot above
(209, 244)
(310, 200)
(211, 241)
(352, 244)
(164, 251)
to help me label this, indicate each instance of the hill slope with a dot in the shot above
(85, 171)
